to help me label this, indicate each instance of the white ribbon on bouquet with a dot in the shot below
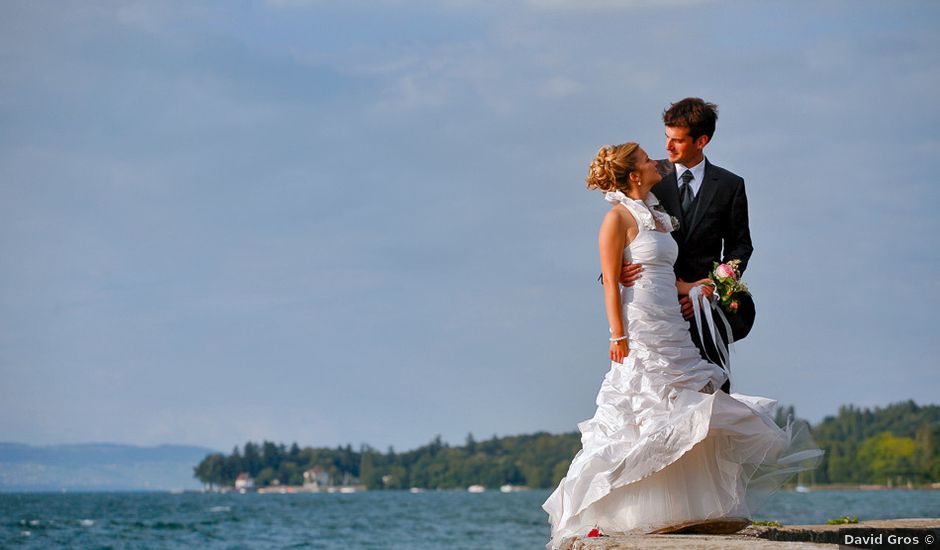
(697, 296)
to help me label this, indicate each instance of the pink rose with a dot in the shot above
(725, 271)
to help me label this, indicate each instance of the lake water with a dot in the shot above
(379, 519)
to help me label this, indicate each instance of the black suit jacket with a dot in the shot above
(716, 230)
(718, 227)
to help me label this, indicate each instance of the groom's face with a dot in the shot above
(682, 148)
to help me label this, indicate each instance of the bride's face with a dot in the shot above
(646, 169)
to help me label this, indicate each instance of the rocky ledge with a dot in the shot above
(759, 537)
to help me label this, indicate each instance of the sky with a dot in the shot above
(366, 222)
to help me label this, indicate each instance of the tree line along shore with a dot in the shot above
(894, 446)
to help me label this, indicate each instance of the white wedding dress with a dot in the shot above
(662, 449)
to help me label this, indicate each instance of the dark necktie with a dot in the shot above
(685, 194)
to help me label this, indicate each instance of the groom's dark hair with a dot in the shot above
(692, 113)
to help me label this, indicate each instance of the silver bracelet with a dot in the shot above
(619, 338)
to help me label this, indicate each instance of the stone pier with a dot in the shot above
(756, 536)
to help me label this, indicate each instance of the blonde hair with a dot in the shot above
(611, 167)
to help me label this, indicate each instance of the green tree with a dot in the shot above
(368, 475)
(887, 458)
(559, 471)
(471, 445)
(265, 477)
(210, 471)
(251, 460)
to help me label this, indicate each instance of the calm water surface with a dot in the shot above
(434, 519)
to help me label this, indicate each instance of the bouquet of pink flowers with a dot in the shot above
(725, 279)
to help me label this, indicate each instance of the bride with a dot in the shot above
(663, 448)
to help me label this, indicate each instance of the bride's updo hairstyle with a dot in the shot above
(611, 167)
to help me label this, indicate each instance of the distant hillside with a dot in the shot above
(98, 467)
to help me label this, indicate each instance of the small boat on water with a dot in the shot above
(800, 486)
(476, 489)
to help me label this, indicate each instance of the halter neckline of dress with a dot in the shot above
(646, 212)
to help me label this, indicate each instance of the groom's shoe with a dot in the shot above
(717, 526)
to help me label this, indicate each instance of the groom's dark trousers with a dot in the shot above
(715, 230)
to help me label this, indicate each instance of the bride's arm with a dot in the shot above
(611, 242)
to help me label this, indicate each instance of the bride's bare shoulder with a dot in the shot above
(618, 217)
(618, 227)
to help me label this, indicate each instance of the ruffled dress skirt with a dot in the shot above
(663, 447)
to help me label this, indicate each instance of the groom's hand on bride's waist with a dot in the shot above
(629, 273)
(686, 304)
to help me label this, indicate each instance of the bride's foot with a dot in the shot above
(716, 526)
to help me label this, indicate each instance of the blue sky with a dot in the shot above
(357, 222)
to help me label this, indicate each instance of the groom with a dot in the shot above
(711, 206)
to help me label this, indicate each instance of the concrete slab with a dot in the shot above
(760, 537)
